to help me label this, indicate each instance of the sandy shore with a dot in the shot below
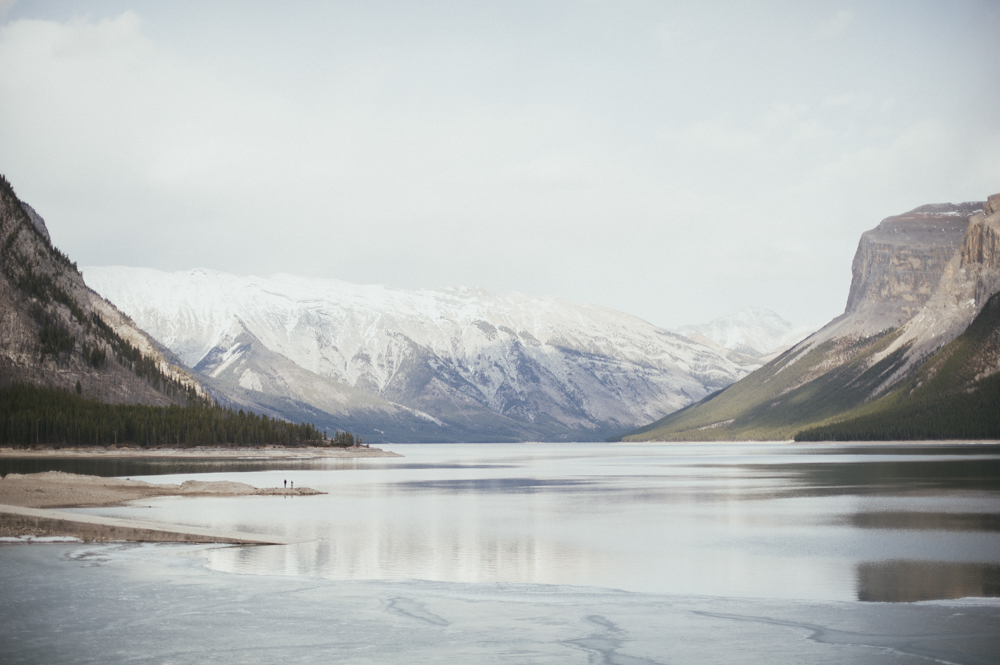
(269, 452)
(55, 489)
(33, 525)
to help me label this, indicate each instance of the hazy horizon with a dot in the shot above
(675, 163)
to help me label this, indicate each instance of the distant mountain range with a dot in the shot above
(754, 332)
(916, 353)
(428, 365)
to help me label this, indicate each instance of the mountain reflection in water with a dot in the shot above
(830, 522)
(903, 581)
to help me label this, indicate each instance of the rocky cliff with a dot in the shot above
(920, 280)
(55, 331)
(980, 255)
(899, 264)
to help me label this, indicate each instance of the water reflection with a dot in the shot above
(497, 485)
(467, 558)
(904, 581)
(969, 448)
(111, 467)
(777, 521)
(967, 522)
(884, 477)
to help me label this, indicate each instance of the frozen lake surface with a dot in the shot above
(545, 553)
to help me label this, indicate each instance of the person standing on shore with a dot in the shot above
(286, 484)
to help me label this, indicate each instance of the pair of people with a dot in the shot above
(286, 484)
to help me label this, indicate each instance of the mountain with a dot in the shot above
(427, 365)
(754, 332)
(917, 338)
(56, 332)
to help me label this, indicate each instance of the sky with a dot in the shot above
(676, 161)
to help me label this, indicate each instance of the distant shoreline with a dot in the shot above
(199, 452)
(790, 442)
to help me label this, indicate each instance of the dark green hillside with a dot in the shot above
(947, 398)
(788, 394)
(31, 415)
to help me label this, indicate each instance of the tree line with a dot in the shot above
(345, 439)
(33, 415)
(964, 415)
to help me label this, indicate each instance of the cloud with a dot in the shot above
(836, 25)
(5, 6)
(783, 128)
(843, 100)
(352, 145)
(666, 31)
(554, 172)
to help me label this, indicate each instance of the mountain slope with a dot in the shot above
(56, 332)
(481, 366)
(955, 394)
(920, 279)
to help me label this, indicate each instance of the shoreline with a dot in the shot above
(27, 502)
(57, 489)
(31, 525)
(789, 442)
(199, 452)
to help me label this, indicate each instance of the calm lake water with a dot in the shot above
(812, 522)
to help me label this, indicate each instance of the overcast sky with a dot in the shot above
(677, 161)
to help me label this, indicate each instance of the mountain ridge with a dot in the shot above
(57, 332)
(920, 280)
(530, 367)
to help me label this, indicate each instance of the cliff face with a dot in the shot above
(970, 277)
(900, 263)
(55, 331)
(981, 249)
(920, 280)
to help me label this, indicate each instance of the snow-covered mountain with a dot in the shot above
(755, 332)
(430, 364)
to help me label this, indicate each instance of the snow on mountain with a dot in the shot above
(472, 364)
(755, 332)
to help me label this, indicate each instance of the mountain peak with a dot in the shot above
(754, 331)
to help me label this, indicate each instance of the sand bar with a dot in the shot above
(55, 489)
(26, 500)
(20, 521)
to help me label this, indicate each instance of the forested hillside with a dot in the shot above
(74, 370)
(31, 415)
(952, 395)
(56, 332)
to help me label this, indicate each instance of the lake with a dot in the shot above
(549, 553)
(830, 522)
